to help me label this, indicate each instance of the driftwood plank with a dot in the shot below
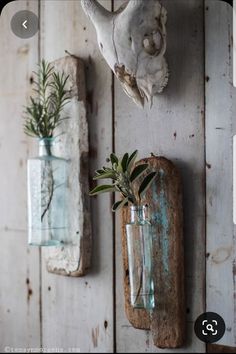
(165, 201)
(215, 348)
(165, 198)
(74, 260)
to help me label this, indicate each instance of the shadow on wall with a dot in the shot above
(92, 111)
(182, 17)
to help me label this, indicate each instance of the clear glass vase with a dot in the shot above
(140, 258)
(47, 197)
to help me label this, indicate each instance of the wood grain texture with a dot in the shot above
(174, 128)
(20, 264)
(220, 128)
(78, 312)
(215, 348)
(164, 200)
(72, 144)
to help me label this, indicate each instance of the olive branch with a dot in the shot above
(123, 174)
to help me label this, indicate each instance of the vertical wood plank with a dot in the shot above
(173, 128)
(220, 114)
(78, 313)
(19, 275)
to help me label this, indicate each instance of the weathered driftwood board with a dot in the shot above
(72, 144)
(220, 128)
(164, 199)
(78, 312)
(174, 127)
(20, 265)
(217, 348)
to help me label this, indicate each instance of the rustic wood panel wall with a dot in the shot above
(174, 127)
(220, 128)
(20, 265)
(42, 309)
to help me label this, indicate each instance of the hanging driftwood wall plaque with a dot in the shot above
(164, 199)
(74, 259)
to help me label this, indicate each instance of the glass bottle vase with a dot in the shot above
(140, 254)
(47, 191)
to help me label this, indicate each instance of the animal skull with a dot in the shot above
(133, 42)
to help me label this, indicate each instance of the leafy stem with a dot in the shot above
(47, 188)
(123, 174)
(49, 200)
(43, 114)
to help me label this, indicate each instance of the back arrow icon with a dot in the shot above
(24, 24)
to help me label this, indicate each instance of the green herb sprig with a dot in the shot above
(43, 114)
(123, 174)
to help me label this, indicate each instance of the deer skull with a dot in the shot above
(133, 42)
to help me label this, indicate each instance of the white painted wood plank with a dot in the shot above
(220, 114)
(173, 128)
(78, 312)
(19, 275)
(234, 179)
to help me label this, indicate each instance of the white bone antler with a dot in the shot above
(133, 42)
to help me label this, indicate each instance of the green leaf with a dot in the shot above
(118, 205)
(146, 183)
(119, 189)
(119, 168)
(99, 172)
(131, 160)
(113, 158)
(138, 171)
(105, 175)
(102, 189)
(125, 161)
(114, 166)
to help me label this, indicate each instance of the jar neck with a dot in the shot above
(138, 214)
(46, 146)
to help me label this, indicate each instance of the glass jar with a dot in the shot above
(47, 191)
(140, 258)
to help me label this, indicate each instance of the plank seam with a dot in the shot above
(205, 162)
(40, 252)
(113, 201)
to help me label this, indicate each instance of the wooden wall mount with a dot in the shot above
(164, 198)
(74, 259)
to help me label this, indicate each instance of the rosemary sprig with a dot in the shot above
(43, 114)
